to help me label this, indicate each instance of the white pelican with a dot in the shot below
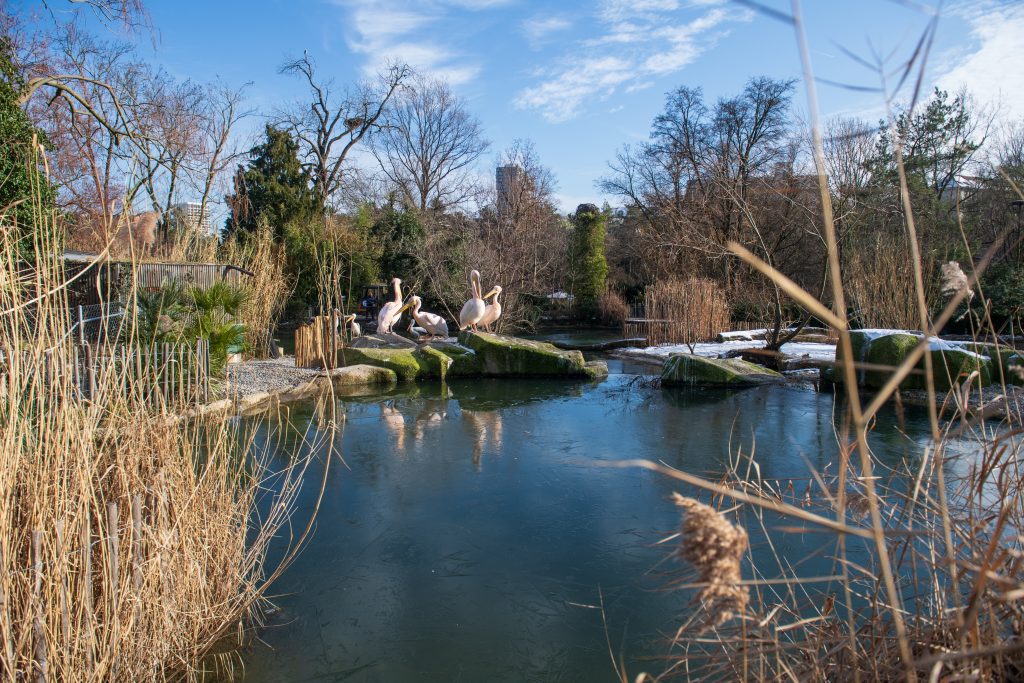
(493, 310)
(354, 328)
(392, 310)
(473, 309)
(435, 325)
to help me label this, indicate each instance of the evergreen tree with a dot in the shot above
(23, 185)
(402, 237)
(589, 267)
(273, 187)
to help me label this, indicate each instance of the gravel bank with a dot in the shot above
(253, 376)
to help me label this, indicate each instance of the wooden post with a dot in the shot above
(112, 550)
(39, 631)
(86, 576)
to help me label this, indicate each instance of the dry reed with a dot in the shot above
(128, 543)
(267, 289)
(683, 312)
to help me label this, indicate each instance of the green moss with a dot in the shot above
(952, 365)
(432, 362)
(686, 369)
(1004, 360)
(403, 362)
(510, 356)
(890, 351)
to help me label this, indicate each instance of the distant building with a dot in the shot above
(185, 216)
(507, 182)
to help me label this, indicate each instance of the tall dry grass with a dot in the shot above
(879, 279)
(267, 289)
(129, 547)
(684, 311)
(927, 577)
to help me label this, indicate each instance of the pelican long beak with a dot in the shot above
(405, 308)
(350, 318)
(489, 294)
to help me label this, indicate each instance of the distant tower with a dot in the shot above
(507, 180)
(186, 217)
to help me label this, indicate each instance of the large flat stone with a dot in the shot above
(684, 369)
(503, 356)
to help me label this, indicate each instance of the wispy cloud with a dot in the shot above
(387, 30)
(539, 27)
(990, 67)
(649, 41)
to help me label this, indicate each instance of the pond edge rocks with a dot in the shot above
(685, 369)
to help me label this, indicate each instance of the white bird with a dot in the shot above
(493, 310)
(473, 309)
(392, 310)
(435, 325)
(354, 328)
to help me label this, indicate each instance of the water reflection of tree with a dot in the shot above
(483, 426)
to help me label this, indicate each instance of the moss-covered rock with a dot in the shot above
(354, 375)
(889, 351)
(433, 363)
(953, 365)
(596, 369)
(510, 356)
(1004, 361)
(404, 362)
(465, 362)
(687, 369)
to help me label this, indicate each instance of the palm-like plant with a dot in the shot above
(214, 312)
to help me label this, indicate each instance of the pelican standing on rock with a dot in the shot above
(473, 309)
(354, 329)
(392, 310)
(435, 325)
(493, 310)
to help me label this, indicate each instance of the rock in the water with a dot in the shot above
(382, 341)
(951, 363)
(596, 369)
(361, 374)
(686, 369)
(500, 355)
(402, 362)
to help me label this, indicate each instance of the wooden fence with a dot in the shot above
(317, 343)
(157, 376)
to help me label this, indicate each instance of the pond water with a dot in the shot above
(469, 532)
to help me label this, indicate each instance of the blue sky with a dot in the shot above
(582, 78)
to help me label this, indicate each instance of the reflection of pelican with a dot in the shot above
(392, 310)
(434, 411)
(394, 422)
(483, 424)
(493, 310)
(434, 324)
(354, 329)
(473, 309)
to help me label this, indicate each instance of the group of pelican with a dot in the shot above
(477, 312)
(391, 312)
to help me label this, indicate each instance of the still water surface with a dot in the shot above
(470, 530)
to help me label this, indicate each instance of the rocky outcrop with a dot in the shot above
(685, 369)
(503, 356)
(952, 363)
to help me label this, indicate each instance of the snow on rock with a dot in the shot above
(813, 350)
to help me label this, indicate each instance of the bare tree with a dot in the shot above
(331, 123)
(427, 145)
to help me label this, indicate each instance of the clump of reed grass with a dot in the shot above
(129, 546)
(715, 548)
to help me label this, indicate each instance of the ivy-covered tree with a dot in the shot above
(402, 238)
(24, 188)
(273, 187)
(589, 267)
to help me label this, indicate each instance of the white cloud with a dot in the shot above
(539, 27)
(991, 69)
(384, 31)
(649, 41)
